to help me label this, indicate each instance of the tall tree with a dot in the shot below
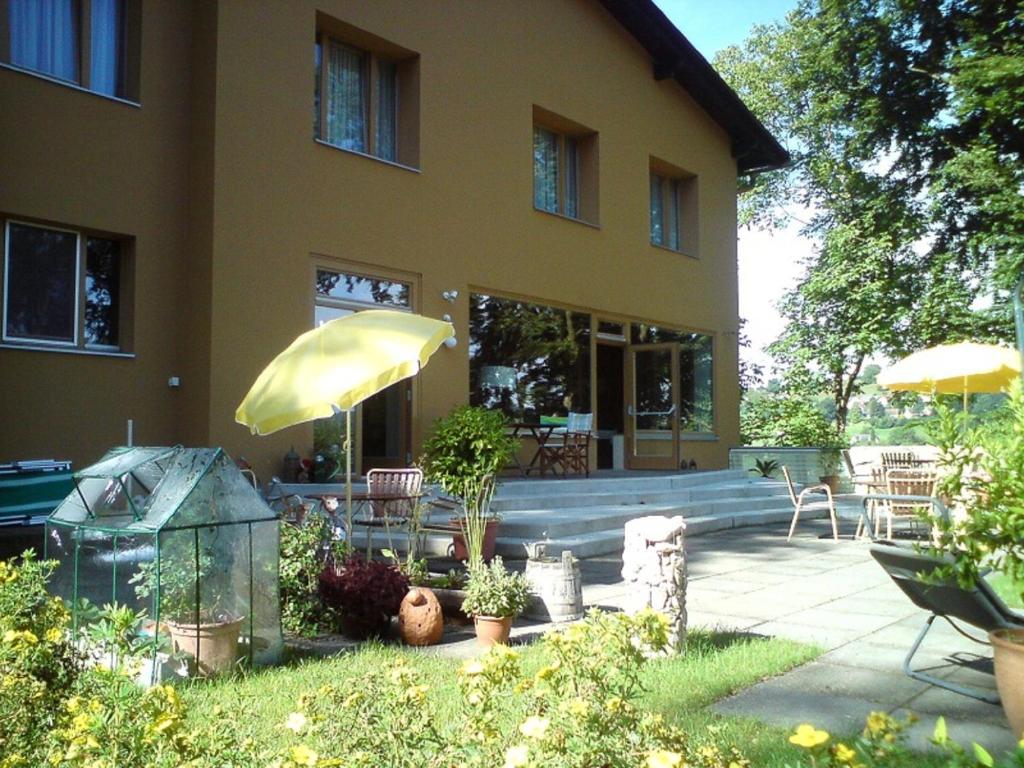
(902, 120)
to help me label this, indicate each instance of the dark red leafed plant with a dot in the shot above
(366, 593)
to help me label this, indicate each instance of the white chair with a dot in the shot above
(800, 503)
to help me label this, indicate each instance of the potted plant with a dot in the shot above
(467, 448)
(204, 627)
(983, 481)
(494, 597)
(830, 459)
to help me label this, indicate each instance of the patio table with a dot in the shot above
(541, 433)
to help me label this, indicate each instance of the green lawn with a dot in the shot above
(714, 666)
(1007, 589)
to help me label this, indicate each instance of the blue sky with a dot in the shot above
(711, 26)
(769, 263)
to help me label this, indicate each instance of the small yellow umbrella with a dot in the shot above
(963, 368)
(338, 365)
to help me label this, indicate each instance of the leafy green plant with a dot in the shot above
(495, 591)
(114, 632)
(303, 557)
(765, 467)
(983, 481)
(467, 448)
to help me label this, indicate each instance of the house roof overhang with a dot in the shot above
(754, 148)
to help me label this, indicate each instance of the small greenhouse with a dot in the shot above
(182, 535)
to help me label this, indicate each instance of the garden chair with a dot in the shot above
(905, 482)
(871, 483)
(569, 448)
(800, 503)
(941, 596)
(403, 483)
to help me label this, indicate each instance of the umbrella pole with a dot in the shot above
(348, 476)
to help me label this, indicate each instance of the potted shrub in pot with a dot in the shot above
(467, 449)
(207, 629)
(494, 597)
(983, 480)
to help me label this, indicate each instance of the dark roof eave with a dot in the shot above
(753, 146)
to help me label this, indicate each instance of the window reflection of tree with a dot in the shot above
(549, 348)
(696, 409)
(343, 285)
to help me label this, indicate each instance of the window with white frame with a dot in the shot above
(366, 94)
(91, 43)
(63, 287)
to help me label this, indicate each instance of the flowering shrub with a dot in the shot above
(881, 745)
(38, 664)
(368, 593)
(575, 715)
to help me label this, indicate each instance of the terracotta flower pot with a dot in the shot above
(492, 629)
(216, 644)
(486, 549)
(1008, 645)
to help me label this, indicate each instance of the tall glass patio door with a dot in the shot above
(652, 397)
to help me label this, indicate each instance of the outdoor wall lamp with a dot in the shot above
(450, 296)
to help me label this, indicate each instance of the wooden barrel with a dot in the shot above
(557, 589)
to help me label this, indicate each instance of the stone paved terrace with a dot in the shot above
(834, 595)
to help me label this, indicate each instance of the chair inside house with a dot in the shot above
(569, 449)
(943, 597)
(901, 481)
(802, 504)
(404, 484)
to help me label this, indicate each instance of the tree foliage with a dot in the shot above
(903, 123)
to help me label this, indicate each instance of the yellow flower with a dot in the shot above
(614, 704)
(296, 722)
(29, 638)
(662, 758)
(303, 755)
(578, 707)
(517, 756)
(808, 736)
(534, 727)
(417, 693)
(877, 724)
(472, 667)
(53, 635)
(844, 754)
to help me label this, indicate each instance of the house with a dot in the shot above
(187, 186)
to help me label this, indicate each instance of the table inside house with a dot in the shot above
(541, 434)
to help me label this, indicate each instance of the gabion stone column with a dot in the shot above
(654, 569)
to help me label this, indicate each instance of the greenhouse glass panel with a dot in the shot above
(180, 534)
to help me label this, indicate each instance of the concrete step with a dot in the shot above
(609, 541)
(519, 487)
(554, 497)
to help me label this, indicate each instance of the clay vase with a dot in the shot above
(213, 646)
(420, 621)
(492, 629)
(1008, 647)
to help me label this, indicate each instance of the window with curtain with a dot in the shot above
(564, 167)
(673, 208)
(358, 100)
(45, 36)
(45, 299)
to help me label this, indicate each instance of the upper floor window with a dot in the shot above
(91, 43)
(367, 94)
(564, 167)
(63, 287)
(673, 208)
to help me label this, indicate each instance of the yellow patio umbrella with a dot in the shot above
(956, 369)
(335, 367)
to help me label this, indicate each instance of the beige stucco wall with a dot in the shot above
(77, 159)
(464, 220)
